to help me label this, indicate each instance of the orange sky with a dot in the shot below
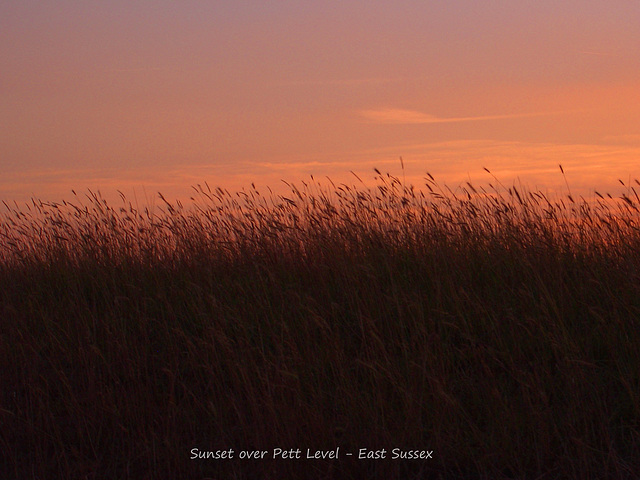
(163, 95)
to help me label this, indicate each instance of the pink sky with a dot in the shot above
(160, 95)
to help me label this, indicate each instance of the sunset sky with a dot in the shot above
(160, 95)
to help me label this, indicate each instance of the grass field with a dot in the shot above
(496, 327)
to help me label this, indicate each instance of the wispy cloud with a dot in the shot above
(631, 139)
(395, 116)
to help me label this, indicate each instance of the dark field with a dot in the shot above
(497, 327)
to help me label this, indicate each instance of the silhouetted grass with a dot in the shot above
(497, 327)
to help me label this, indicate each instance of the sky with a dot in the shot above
(145, 96)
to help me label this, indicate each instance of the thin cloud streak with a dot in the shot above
(395, 116)
(453, 162)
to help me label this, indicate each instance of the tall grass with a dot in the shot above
(496, 326)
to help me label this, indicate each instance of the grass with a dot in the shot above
(495, 326)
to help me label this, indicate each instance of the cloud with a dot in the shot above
(395, 116)
(631, 139)
(587, 166)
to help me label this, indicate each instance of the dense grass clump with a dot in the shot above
(497, 327)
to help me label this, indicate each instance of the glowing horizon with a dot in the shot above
(161, 96)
